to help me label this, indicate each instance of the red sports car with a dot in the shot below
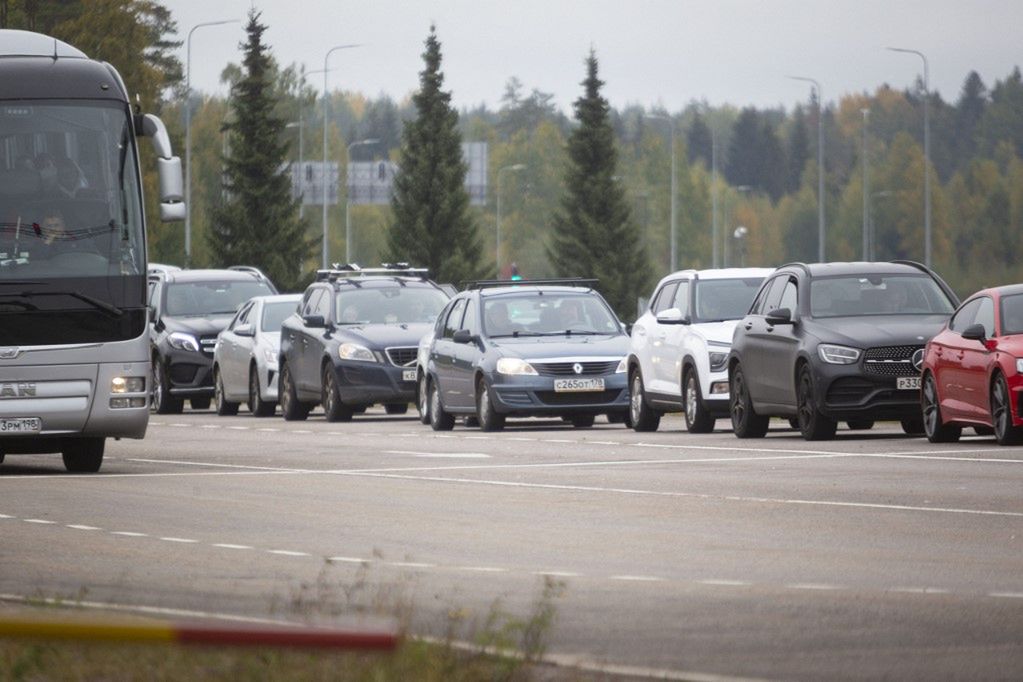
(973, 369)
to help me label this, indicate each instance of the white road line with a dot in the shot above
(440, 455)
(410, 564)
(80, 527)
(1006, 595)
(182, 540)
(6, 516)
(560, 440)
(42, 521)
(813, 586)
(638, 578)
(519, 439)
(301, 431)
(286, 552)
(604, 442)
(241, 428)
(179, 425)
(481, 569)
(558, 574)
(918, 590)
(268, 430)
(940, 458)
(349, 560)
(227, 545)
(210, 426)
(129, 534)
(725, 583)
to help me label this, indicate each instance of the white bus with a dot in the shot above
(74, 348)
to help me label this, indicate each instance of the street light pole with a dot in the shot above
(497, 250)
(348, 212)
(927, 154)
(300, 124)
(672, 240)
(820, 164)
(866, 186)
(740, 189)
(326, 246)
(714, 196)
(188, 134)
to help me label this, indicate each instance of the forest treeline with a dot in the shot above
(766, 158)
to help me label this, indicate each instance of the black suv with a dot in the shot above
(187, 309)
(354, 339)
(832, 342)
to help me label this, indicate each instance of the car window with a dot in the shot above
(773, 296)
(438, 327)
(724, 299)
(878, 294)
(454, 320)
(311, 298)
(274, 315)
(665, 297)
(681, 299)
(548, 313)
(323, 305)
(789, 297)
(389, 303)
(964, 318)
(471, 321)
(241, 317)
(194, 299)
(1012, 314)
(986, 316)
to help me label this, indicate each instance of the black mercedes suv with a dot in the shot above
(354, 339)
(832, 342)
(187, 309)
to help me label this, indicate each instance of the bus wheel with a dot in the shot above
(83, 455)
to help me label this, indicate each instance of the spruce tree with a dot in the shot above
(594, 235)
(432, 225)
(257, 223)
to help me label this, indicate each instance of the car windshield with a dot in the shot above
(544, 313)
(1012, 314)
(392, 304)
(718, 300)
(189, 299)
(274, 315)
(857, 296)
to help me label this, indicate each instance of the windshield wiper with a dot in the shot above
(95, 302)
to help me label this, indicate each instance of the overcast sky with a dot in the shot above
(651, 52)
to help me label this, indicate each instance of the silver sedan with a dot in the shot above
(245, 357)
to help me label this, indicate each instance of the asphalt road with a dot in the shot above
(873, 555)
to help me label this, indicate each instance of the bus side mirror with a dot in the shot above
(168, 166)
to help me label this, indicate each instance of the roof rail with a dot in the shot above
(491, 283)
(352, 270)
(796, 264)
(249, 268)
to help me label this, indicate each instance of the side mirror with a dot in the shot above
(975, 332)
(315, 321)
(168, 166)
(462, 336)
(671, 316)
(779, 316)
(245, 330)
(628, 329)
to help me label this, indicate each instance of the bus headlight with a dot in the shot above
(128, 385)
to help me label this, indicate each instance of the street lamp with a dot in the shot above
(188, 133)
(348, 213)
(497, 250)
(740, 189)
(714, 196)
(740, 236)
(300, 124)
(927, 154)
(820, 165)
(326, 247)
(674, 247)
(866, 187)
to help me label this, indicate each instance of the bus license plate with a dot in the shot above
(908, 383)
(578, 385)
(408, 375)
(21, 425)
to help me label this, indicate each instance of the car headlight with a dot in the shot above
(514, 366)
(1019, 365)
(838, 355)
(718, 360)
(183, 341)
(353, 351)
(622, 367)
(270, 355)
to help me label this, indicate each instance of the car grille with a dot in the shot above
(581, 398)
(403, 357)
(207, 344)
(557, 369)
(892, 361)
(848, 391)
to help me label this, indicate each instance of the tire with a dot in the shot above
(333, 408)
(225, 408)
(860, 424)
(291, 408)
(162, 400)
(423, 400)
(489, 419)
(913, 426)
(698, 418)
(396, 408)
(983, 430)
(794, 423)
(439, 419)
(200, 403)
(83, 455)
(812, 424)
(257, 406)
(643, 417)
(583, 421)
(1001, 414)
(936, 430)
(746, 423)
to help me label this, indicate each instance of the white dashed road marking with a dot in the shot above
(80, 527)
(186, 541)
(440, 455)
(42, 521)
(227, 545)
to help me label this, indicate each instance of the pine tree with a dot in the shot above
(799, 151)
(258, 223)
(594, 235)
(699, 141)
(432, 224)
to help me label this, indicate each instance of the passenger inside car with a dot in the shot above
(498, 322)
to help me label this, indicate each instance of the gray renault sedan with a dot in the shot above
(527, 349)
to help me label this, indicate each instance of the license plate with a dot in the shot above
(21, 425)
(907, 383)
(578, 385)
(408, 375)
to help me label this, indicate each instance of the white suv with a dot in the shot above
(679, 352)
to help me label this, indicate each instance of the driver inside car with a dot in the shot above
(58, 240)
